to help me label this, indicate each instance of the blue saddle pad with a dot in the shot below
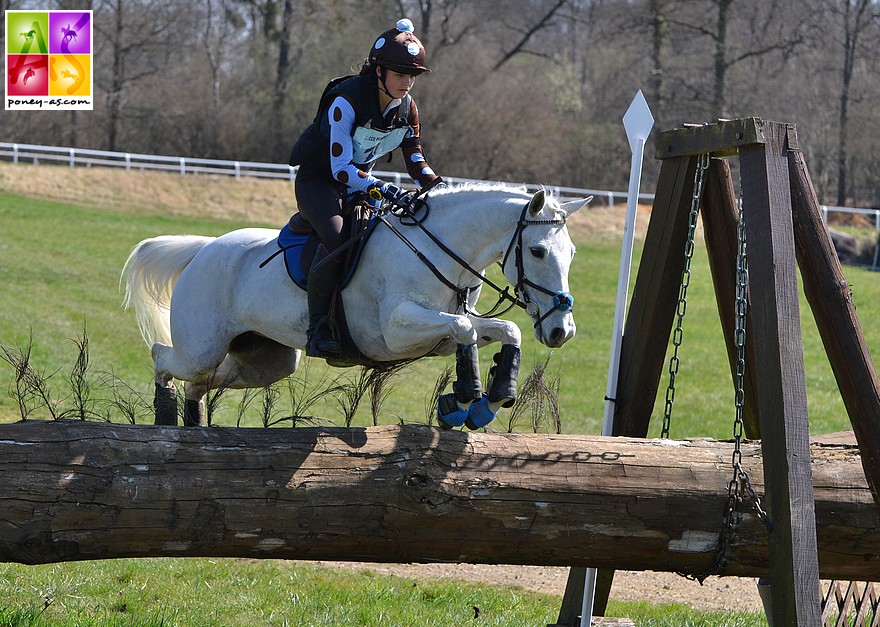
(293, 245)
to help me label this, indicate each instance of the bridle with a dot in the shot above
(562, 300)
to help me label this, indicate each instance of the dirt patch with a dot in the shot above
(246, 200)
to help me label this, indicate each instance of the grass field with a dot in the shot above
(60, 263)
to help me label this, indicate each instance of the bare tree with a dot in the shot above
(725, 52)
(282, 75)
(136, 32)
(853, 19)
(659, 10)
(215, 36)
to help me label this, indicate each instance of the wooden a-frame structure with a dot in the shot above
(784, 230)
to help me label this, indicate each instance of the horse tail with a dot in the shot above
(149, 274)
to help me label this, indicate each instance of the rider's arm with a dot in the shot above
(416, 164)
(342, 120)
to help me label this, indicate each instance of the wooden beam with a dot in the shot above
(720, 140)
(779, 365)
(830, 298)
(79, 491)
(655, 298)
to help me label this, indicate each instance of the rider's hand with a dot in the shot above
(396, 194)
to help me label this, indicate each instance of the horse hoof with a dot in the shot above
(448, 413)
(479, 414)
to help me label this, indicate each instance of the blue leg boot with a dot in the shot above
(449, 412)
(479, 414)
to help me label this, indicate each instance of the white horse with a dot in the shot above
(216, 315)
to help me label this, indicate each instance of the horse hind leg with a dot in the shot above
(253, 362)
(170, 364)
(165, 404)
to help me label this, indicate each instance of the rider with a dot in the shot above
(360, 119)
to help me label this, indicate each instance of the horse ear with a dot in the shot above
(573, 206)
(536, 204)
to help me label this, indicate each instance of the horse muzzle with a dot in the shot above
(557, 326)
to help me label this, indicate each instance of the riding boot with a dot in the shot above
(322, 282)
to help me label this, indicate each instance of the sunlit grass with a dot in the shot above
(60, 267)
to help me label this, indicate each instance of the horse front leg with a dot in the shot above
(478, 409)
(503, 374)
(452, 409)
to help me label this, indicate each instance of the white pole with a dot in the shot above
(638, 123)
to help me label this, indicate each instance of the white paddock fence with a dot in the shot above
(84, 157)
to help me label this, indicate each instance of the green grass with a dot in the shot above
(60, 265)
(227, 592)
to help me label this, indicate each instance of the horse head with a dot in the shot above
(537, 262)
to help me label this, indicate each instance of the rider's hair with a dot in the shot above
(367, 68)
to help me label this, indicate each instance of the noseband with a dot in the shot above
(562, 301)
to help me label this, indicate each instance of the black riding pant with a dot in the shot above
(320, 202)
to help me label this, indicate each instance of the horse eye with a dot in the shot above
(538, 251)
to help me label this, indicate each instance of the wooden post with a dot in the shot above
(829, 296)
(777, 378)
(779, 365)
(654, 300)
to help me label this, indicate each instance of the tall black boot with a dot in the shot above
(323, 278)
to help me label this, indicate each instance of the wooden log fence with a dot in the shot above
(79, 491)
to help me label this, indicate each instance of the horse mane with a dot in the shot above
(505, 189)
(479, 186)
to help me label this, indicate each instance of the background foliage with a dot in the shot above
(522, 90)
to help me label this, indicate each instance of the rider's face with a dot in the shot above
(397, 84)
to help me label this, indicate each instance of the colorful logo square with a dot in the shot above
(27, 32)
(27, 75)
(49, 60)
(70, 32)
(69, 75)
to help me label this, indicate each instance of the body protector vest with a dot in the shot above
(375, 134)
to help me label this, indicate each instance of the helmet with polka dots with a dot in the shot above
(399, 50)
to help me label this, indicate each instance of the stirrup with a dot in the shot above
(322, 341)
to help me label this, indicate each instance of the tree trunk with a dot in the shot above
(282, 75)
(77, 491)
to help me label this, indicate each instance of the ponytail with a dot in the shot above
(367, 69)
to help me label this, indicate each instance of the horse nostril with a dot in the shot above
(557, 335)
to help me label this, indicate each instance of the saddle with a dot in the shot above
(298, 242)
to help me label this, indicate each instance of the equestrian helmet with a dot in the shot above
(398, 49)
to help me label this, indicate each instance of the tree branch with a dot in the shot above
(522, 42)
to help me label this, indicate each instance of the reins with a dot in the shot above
(562, 301)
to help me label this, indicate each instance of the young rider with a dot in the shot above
(360, 119)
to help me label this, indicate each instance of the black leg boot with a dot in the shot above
(323, 279)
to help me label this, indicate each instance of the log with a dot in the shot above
(80, 491)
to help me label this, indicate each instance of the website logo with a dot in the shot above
(48, 60)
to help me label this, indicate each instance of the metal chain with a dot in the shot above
(677, 334)
(740, 480)
(740, 483)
